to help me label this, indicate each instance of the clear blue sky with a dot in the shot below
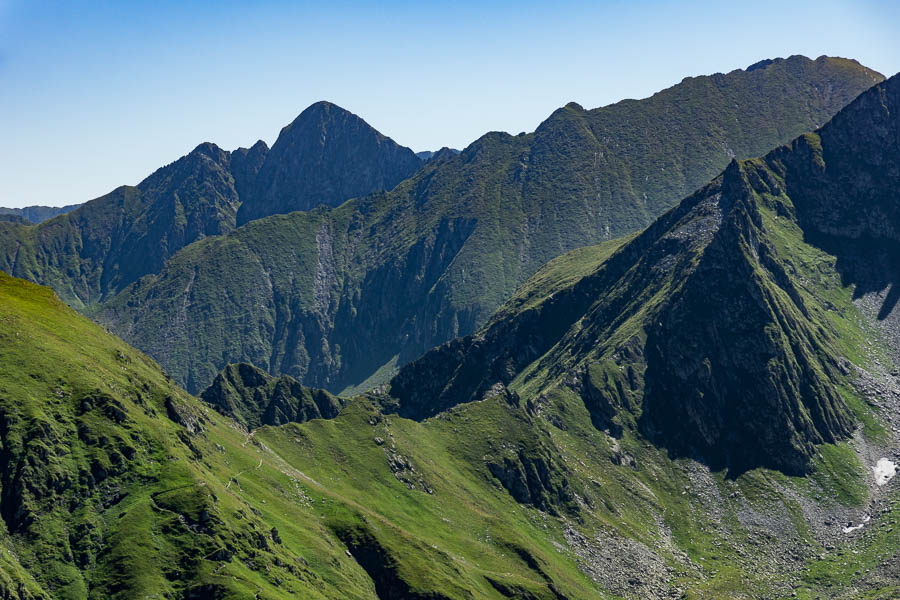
(98, 94)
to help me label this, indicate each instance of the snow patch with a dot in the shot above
(884, 471)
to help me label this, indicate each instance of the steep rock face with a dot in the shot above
(254, 398)
(531, 476)
(307, 308)
(739, 370)
(326, 156)
(706, 332)
(332, 297)
(839, 179)
(245, 165)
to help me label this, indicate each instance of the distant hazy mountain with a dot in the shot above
(428, 154)
(327, 154)
(339, 298)
(38, 214)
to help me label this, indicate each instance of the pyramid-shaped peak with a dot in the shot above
(325, 156)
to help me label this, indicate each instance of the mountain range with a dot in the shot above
(706, 408)
(197, 267)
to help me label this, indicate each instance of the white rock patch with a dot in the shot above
(852, 528)
(884, 471)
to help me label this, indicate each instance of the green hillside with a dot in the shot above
(105, 244)
(116, 484)
(503, 498)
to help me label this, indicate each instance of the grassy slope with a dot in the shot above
(154, 538)
(115, 501)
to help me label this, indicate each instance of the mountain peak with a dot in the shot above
(325, 156)
(259, 146)
(209, 150)
(849, 168)
(705, 332)
(321, 112)
(324, 106)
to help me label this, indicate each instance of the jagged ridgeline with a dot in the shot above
(339, 298)
(721, 332)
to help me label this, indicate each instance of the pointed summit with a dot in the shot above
(325, 156)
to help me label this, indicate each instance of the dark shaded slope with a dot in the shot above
(325, 156)
(333, 297)
(14, 219)
(739, 368)
(707, 332)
